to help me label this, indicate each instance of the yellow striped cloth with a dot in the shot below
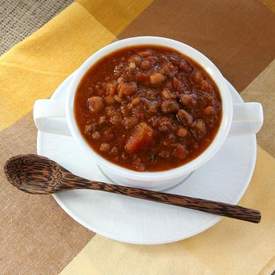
(35, 67)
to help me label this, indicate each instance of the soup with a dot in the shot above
(148, 108)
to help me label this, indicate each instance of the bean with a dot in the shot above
(120, 79)
(169, 106)
(145, 65)
(102, 119)
(111, 88)
(152, 106)
(184, 117)
(89, 128)
(188, 100)
(132, 65)
(116, 119)
(164, 154)
(95, 104)
(209, 110)
(138, 164)
(127, 88)
(167, 94)
(110, 110)
(197, 77)
(114, 151)
(154, 120)
(96, 135)
(104, 147)
(117, 98)
(165, 124)
(142, 77)
(177, 84)
(145, 53)
(206, 86)
(130, 122)
(182, 132)
(169, 69)
(157, 78)
(135, 101)
(150, 94)
(180, 151)
(109, 99)
(135, 58)
(185, 66)
(152, 59)
(199, 128)
(169, 85)
(108, 134)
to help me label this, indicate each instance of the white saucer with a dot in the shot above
(224, 178)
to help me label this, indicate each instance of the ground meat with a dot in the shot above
(116, 119)
(138, 164)
(89, 128)
(165, 124)
(108, 134)
(152, 106)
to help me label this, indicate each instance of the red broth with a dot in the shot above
(148, 108)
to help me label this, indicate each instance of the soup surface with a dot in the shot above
(148, 108)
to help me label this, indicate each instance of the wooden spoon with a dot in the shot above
(39, 175)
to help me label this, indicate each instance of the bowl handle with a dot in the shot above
(49, 116)
(247, 118)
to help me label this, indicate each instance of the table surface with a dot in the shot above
(253, 77)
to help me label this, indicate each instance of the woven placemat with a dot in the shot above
(20, 18)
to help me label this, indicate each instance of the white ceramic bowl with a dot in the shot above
(249, 118)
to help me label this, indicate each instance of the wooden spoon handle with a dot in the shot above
(213, 207)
